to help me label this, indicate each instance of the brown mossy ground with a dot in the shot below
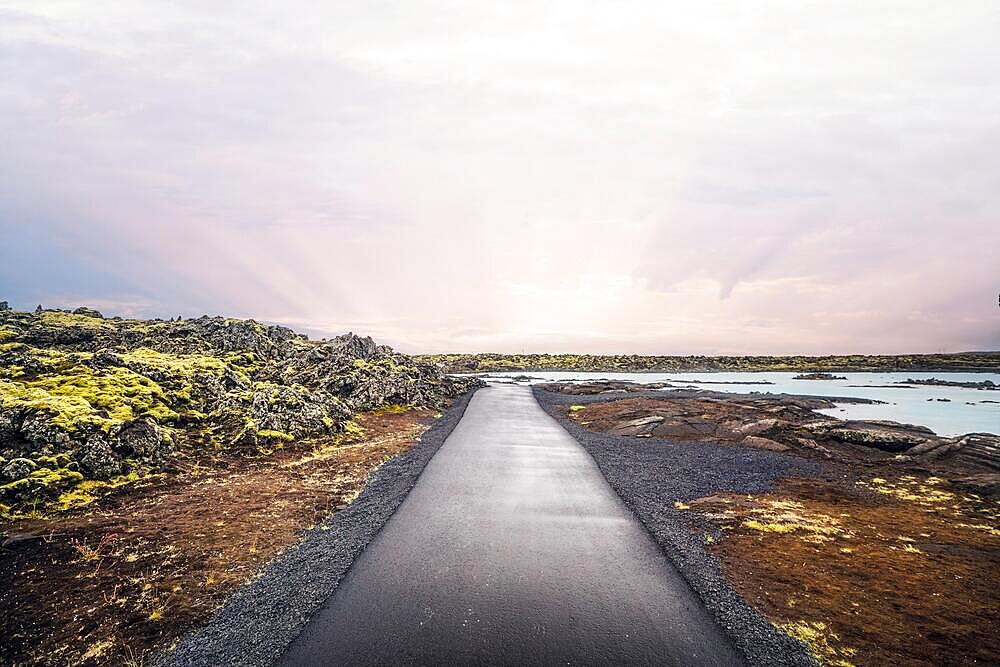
(879, 563)
(134, 569)
(898, 571)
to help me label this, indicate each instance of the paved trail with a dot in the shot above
(512, 549)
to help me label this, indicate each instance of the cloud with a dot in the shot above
(649, 177)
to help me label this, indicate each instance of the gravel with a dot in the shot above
(258, 622)
(650, 476)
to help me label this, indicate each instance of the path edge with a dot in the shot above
(754, 636)
(259, 620)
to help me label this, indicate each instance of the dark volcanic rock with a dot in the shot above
(141, 438)
(116, 394)
(97, 459)
(777, 422)
(934, 382)
(17, 469)
(88, 312)
(818, 376)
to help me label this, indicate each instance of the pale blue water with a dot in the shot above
(909, 405)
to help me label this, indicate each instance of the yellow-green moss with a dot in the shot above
(81, 396)
(58, 319)
(786, 516)
(823, 643)
(58, 477)
(186, 364)
(7, 333)
(274, 435)
(84, 492)
(392, 409)
(353, 430)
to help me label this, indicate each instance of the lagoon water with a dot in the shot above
(964, 412)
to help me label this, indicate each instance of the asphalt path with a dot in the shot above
(512, 549)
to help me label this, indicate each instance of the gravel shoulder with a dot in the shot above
(259, 621)
(647, 475)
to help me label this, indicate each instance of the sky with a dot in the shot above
(564, 176)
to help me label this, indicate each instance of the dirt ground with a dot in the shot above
(106, 583)
(900, 571)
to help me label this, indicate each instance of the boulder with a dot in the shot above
(756, 427)
(17, 469)
(106, 358)
(141, 438)
(88, 312)
(97, 459)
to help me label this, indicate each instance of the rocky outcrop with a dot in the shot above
(883, 435)
(110, 396)
(776, 423)
(818, 376)
(934, 382)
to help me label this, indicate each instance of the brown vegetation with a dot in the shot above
(135, 569)
(884, 572)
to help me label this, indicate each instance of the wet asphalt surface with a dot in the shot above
(512, 549)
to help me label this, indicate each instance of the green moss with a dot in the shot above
(59, 319)
(7, 333)
(61, 460)
(274, 435)
(353, 430)
(81, 396)
(16, 488)
(58, 477)
(88, 491)
(74, 499)
(186, 365)
(392, 409)
(824, 645)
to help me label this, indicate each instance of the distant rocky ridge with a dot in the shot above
(626, 363)
(84, 398)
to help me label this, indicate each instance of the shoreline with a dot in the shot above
(831, 369)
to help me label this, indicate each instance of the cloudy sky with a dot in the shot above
(650, 177)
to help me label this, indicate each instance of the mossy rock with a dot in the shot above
(40, 484)
(16, 469)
